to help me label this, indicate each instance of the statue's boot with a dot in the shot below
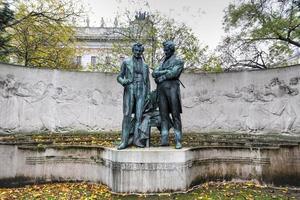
(136, 137)
(125, 133)
(164, 138)
(124, 143)
(178, 138)
(138, 143)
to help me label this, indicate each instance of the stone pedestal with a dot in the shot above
(149, 169)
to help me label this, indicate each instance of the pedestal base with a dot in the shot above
(149, 169)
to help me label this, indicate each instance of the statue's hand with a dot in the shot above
(125, 82)
(160, 79)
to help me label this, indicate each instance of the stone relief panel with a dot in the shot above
(270, 103)
(274, 106)
(44, 106)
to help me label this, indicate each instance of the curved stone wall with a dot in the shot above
(50, 100)
(149, 169)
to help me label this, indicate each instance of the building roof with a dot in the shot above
(98, 33)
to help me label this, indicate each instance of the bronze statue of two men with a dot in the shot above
(134, 77)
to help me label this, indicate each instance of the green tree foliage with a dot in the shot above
(6, 17)
(261, 33)
(213, 64)
(41, 35)
(151, 30)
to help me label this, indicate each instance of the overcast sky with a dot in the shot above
(203, 16)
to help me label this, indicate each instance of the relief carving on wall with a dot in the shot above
(275, 104)
(253, 108)
(41, 101)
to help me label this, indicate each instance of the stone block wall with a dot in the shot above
(33, 100)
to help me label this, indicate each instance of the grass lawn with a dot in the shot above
(112, 139)
(219, 190)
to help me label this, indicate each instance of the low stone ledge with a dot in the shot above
(150, 169)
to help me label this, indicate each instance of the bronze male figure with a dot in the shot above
(168, 86)
(134, 77)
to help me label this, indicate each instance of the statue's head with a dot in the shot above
(137, 50)
(169, 48)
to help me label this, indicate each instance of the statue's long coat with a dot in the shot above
(127, 73)
(175, 66)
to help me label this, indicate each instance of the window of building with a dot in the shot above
(107, 60)
(78, 60)
(93, 61)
